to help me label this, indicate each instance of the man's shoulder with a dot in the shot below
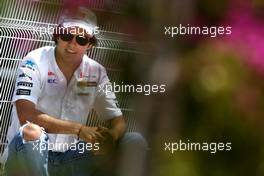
(40, 54)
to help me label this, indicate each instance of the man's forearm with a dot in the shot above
(118, 127)
(54, 125)
(27, 112)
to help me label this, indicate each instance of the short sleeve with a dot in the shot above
(106, 104)
(27, 82)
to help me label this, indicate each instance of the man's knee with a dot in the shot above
(32, 132)
(135, 139)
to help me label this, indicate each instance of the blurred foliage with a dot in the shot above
(218, 94)
(220, 100)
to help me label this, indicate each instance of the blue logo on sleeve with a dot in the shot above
(29, 64)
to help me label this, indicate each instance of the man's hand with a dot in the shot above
(107, 144)
(90, 134)
(32, 132)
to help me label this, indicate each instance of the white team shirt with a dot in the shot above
(40, 81)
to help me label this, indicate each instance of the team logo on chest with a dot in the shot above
(52, 78)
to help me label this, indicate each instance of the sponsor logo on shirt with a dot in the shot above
(23, 92)
(84, 87)
(52, 77)
(82, 75)
(116, 103)
(52, 81)
(26, 84)
(86, 84)
(29, 65)
(23, 75)
(51, 73)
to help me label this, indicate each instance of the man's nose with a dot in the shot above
(73, 41)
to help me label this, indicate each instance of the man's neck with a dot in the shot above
(69, 63)
(66, 65)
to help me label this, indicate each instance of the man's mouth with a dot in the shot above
(70, 51)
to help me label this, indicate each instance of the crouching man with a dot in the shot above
(56, 88)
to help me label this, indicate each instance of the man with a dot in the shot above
(55, 90)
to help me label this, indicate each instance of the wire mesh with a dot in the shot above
(20, 26)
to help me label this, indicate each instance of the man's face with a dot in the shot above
(73, 48)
